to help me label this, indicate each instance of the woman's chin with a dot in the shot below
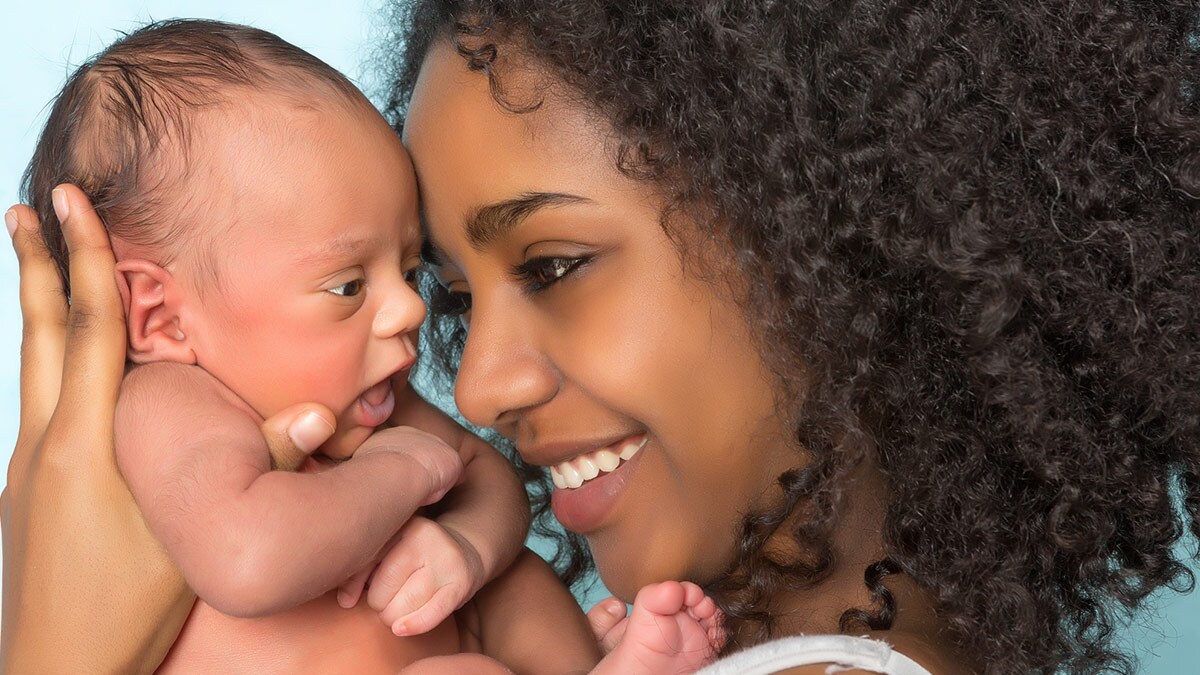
(625, 572)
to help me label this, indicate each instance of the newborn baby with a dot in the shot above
(264, 220)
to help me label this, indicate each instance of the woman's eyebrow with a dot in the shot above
(492, 221)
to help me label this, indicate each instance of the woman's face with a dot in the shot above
(588, 344)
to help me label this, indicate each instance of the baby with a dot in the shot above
(264, 220)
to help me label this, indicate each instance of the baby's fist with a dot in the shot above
(441, 463)
(428, 573)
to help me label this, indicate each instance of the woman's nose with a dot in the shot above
(402, 312)
(503, 371)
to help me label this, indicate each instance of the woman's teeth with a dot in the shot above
(575, 472)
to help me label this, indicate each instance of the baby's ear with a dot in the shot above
(152, 311)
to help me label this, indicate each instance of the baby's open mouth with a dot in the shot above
(376, 404)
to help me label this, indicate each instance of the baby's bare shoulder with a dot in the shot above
(166, 410)
(162, 385)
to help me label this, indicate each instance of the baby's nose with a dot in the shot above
(403, 312)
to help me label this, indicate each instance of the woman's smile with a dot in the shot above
(589, 486)
(573, 473)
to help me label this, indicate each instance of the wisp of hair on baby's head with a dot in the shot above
(120, 127)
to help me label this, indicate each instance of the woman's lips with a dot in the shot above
(376, 404)
(584, 508)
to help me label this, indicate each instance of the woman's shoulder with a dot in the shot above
(814, 654)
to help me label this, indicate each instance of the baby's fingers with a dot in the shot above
(44, 315)
(393, 574)
(607, 619)
(350, 592)
(421, 610)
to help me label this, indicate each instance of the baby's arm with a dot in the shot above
(525, 622)
(528, 620)
(251, 541)
(477, 531)
(489, 510)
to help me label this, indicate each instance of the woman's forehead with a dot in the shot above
(475, 158)
(452, 103)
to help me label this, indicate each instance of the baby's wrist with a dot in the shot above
(479, 569)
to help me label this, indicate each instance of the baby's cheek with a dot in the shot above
(332, 382)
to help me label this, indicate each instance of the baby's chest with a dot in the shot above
(317, 637)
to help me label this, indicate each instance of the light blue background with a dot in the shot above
(41, 42)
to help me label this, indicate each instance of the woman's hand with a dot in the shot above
(86, 587)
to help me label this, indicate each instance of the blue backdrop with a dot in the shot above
(40, 44)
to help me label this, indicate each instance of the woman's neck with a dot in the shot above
(857, 543)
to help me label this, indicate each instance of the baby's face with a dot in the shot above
(316, 243)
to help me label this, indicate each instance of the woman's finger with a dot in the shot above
(44, 314)
(296, 432)
(95, 349)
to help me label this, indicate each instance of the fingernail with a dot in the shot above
(616, 609)
(10, 221)
(343, 599)
(61, 208)
(309, 431)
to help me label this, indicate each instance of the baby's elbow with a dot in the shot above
(246, 586)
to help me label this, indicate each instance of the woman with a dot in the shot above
(899, 299)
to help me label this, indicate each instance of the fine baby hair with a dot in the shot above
(122, 126)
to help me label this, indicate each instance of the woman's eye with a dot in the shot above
(410, 278)
(540, 273)
(445, 302)
(348, 289)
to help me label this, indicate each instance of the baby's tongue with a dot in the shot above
(376, 395)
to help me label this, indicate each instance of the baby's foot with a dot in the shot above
(674, 628)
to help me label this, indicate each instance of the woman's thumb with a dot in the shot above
(296, 432)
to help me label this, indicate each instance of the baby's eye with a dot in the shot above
(348, 289)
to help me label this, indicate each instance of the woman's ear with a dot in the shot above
(152, 311)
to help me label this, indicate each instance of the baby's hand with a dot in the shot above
(441, 463)
(429, 572)
(608, 622)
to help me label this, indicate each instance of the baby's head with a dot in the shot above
(263, 215)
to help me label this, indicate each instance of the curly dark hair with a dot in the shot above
(970, 234)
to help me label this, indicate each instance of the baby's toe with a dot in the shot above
(664, 599)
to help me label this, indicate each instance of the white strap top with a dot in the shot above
(843, 652)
